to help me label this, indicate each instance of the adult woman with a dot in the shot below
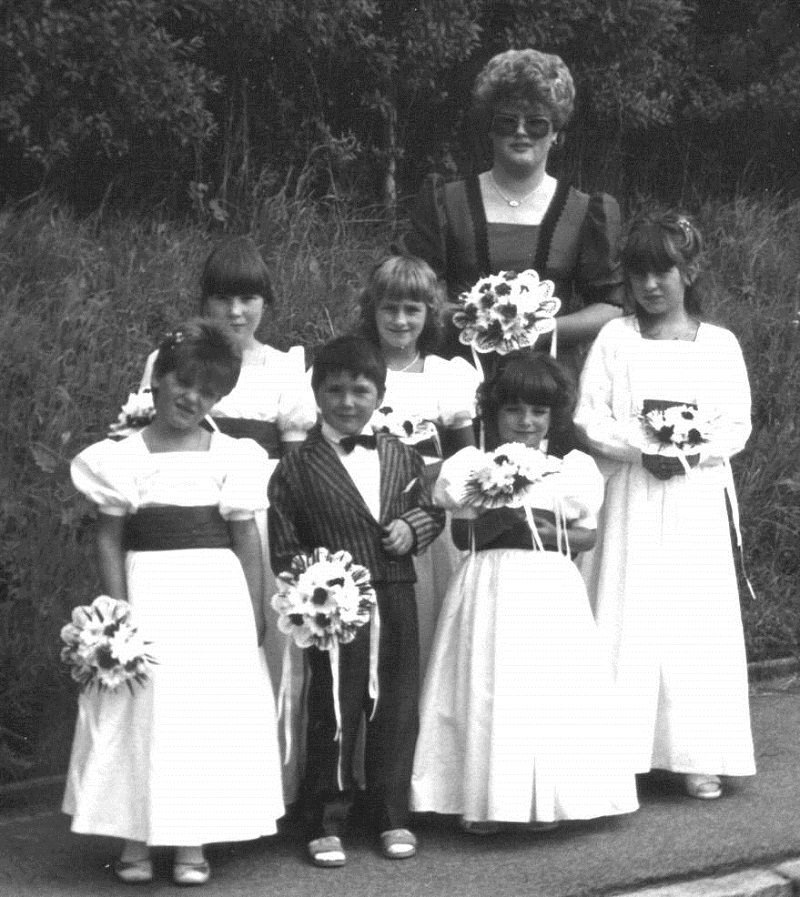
(516, 216)
(400, 310)
(662, 576)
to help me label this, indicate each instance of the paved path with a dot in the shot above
(756, 825)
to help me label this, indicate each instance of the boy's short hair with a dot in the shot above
(201, 351)
(353, 354)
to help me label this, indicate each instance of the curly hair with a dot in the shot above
(526, 75)
(203, 352)
(657, 241)
(397, 278)
(536, 379)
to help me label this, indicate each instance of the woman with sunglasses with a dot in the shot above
(515, 215)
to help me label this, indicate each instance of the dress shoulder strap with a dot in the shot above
(297, 357)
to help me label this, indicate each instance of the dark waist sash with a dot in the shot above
(264, 432)
(513, 538)
(172, 528)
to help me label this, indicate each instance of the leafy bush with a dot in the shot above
(92, 83)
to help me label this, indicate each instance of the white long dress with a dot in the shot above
(191, 756)
(272, 389)
(444, 394)
(518, 719)
(662, 577)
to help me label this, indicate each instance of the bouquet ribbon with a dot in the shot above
(285, 700)
(730, 491)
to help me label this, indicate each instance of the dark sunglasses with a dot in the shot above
(507, 125)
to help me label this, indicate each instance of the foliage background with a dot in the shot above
(207, 103)
(134, 132)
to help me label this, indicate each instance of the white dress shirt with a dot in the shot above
(362, 464)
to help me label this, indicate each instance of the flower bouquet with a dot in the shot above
(506, 311)
(103, 647)
(503, 478)
(324, 599)
(414, 431)
(410, 429)
(322, 602)
(675, 429)
(136, 413)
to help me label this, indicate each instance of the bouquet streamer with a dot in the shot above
(679, 430)
(322, 601)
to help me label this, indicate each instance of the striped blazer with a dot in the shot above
(313, 502)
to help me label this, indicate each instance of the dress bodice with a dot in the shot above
(624, 369)
(443, 392)
(121, 477)
(575, 245)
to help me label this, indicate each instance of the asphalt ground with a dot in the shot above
(672, 838)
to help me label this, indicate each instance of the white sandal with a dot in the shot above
(702, 786)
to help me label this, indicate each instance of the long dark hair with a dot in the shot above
(536, 379)
(201, 351)
(657, 241)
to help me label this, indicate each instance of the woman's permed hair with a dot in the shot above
(235, 268)
(657, 241)
(536, 379)
(201, 352)
(398, 278)
(527, 76)
(353, 354)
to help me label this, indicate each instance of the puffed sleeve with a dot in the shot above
(449, 489)
(459, 385)
(598, 270)
(603, 415)
(244, 489)
(726, 393)
(297, 409)
(101, 474)
(426, 234)
(581, 485)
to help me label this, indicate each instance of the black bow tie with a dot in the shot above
(348, 443)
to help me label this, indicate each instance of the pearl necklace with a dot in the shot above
(411, 364)
(514, 203)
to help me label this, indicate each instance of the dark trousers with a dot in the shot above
(390, 736)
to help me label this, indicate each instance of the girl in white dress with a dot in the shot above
(400, 313)
(518, 717)
(184, 759)
(662, 578)
(271, 403)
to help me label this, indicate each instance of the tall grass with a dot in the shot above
(753, 267)
(83, 301)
